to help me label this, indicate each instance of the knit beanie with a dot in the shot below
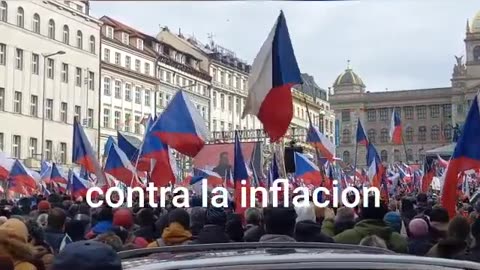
(393, 220)
(418, 227)
(215, 216)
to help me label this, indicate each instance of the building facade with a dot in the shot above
(48, 47)
(429, 116)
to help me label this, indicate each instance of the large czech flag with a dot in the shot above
(274, 72)
(307, 170)
(396, 128)
(321, 142)
(119, 166)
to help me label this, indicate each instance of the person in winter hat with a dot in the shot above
(254, 228)
(87, 255)
(456, 242)
(393, 220)
(14, 244)
(306, 228)
(177, 232)
(214, 229)
(344, 219)
(279, 224)
(55, 235)
(419, 241)
(104, 222)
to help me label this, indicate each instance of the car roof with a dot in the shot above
(280, 256)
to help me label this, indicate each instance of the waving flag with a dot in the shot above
(361, 137)
(306, 170)
(374, 165)
(107, 146)
(118, 165)
(5, 166)
(273, 172)
(155, 158)
(21, 177)
(321, 142)
(239, 173)
(213, 178)
(127, 147)
(58, 179)
(181, 126)
(274, 72)
(82, 153)
(78, 186)
(442, 162)
(46, 172)
(429, 169)
(466, 156)
(396, 128)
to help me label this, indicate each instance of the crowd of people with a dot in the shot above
(57, 233)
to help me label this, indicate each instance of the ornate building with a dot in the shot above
(428, 115)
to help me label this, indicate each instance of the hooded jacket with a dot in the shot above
(367, 227)
(13, 242)
(309, 231)
(175, 234)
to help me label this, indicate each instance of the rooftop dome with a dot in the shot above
(475, 25)
(348, 77)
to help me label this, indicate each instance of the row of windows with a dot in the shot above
(228, 103)
(436, 134)
(35, 67)
(126, 91)
(397, 156)
(59, 155)
(122, 125)
(51, 29)
(193, 86)
(228, 79)
(127, 63)
(436, 111)
(228, 127)
(33, 109)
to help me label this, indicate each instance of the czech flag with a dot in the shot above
(20, 176)
(181, 126)
(155, 158)
(306, 170)
(429, 169)
(57, 178)
(321, 142)
(118, 165)
(442, 162)
(213, 178)
(78, 186)
(273, 172)
(130, 150)
(466, 156)
(374, 166)
(361, 137)
(82, 153)
(396, 128)
(5, 166)
(107, 146)
(240, 173)
(274, 72)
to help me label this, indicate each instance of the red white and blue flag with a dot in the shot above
(321, 142)
(5, 166)
(119, 166)
(374, 166)
(239, 173)
(21, 176)
(361, 136)
(274, 72)
(396, 128)
(306, 170)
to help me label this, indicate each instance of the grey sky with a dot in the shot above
(394, 44)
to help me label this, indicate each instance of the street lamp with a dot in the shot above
(45, 57)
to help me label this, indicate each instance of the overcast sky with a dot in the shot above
(394, 44)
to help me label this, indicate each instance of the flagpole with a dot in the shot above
(310, 124)
(355, 163)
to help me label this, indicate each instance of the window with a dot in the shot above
(92, 44)
(106, 55)
(117, 120)
(214, 99)
(384, 156)
(64, 112)
(2, 99)
(137, 65)
(32, 147)
(51, 29)
(421, 112)
(372, 134)
(64, 73)
(78, 77)
(408, 113)
(79, 39)
(106, 118)
(17, 102)
(371, 115)
(128, 62)
(128, 92)
(178, 80)
(409, 155)
(244, 84)
(35, 63)
(422, 134)
(34, 105)
(447, 111)
(214, 123)
(147, 97)
(447, 132)
(109, 31)
(20, 18)
(397, 155)
(229, 103)
(435, 133)
(36, 23)
(384, 135)
(63, 153)
(3, 14)
(19, 59)
(49, 109)
(127, 122)
(214, 74)
(78, 113)
(106, 86)
(138, 95)
(50, 68)
(66, 35)
(346, 157)
(345, 115)
(16, 146)
(169, 76)
(346, 136)
(222, 126)
(222, 77)
(167, 98)
(91, 80)
(90, 118)
(204, 112)
(147, 68)
(117, 58)
(237, 105)
(383, 114)
(125, 38)
(118, 89)
(3, 52)
(222, 102)
(476, 50)
(137, 124)
(434, 111)
(48, 149)
(409, 134)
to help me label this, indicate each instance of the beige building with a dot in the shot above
(428, 115)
